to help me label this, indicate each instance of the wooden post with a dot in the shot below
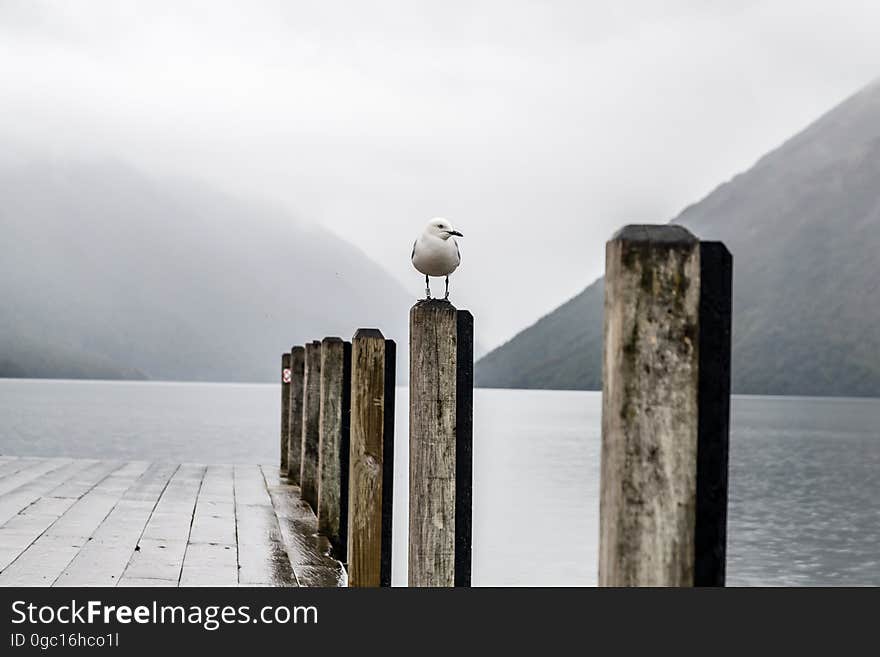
(295, 419)
(371, 461)
(285, 409)
(333, 443)
(440, 444)
(308, 473)
(665, 409)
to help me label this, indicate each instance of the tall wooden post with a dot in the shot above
(285, 409)
(295, 418)
(308, 474)
(440, 444)
(665, 409)
(371, 462)
(333, 443)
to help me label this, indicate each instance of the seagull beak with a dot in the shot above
(455, 232)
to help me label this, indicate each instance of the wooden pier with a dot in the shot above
(663, 491)
(85, 522)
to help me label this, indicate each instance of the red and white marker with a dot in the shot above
(285, 375)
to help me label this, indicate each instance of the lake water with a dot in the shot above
(804, 472)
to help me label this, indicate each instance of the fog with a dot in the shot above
(537, 128)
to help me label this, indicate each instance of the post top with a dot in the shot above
(656, 233)
(297, 348)
(362, 333)
(434, 304)
(331, 338)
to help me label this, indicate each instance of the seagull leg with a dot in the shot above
(427, 287)
(447, 288)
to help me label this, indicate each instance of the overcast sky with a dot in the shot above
(538, 127)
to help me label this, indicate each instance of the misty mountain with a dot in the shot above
(106, 272)
(803, 225)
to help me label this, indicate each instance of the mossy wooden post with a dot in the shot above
(308, 473)
(440, 444)
(295, 418)
(665, 409)
(371, 460)
(333, 443)
(285, 409)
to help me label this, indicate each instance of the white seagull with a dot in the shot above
(436, 253)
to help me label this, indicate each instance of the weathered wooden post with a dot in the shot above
(665, 409)
(440, 444)
(333, 443)
(285, 409)
(295, 418)
(308, 473)
(371, 461)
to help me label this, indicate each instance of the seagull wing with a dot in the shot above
(457, 252)
(414, 250)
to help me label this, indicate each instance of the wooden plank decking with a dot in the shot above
(85, 522)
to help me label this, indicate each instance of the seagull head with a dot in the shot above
(442, 228)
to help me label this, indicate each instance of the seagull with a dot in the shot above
(436, 253)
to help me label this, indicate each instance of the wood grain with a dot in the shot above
(440, 419)
(371, 459)
(308, 477)
(333, 442)
(295, 417)
(649, 408)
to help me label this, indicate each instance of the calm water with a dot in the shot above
(805, 473)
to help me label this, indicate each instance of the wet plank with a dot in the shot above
(309, 552)
(210, 564)
(20, 530)
(88, 512)
(161, 549)
(66, 522)
(211, 557)
(155, 559)
(36, 491)
(262, 557)
(250, 486)
(11, 465)
(46, 558)
(30, 472)
(82, 481)
(214, 519)
(103, 559)
(41, 562)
